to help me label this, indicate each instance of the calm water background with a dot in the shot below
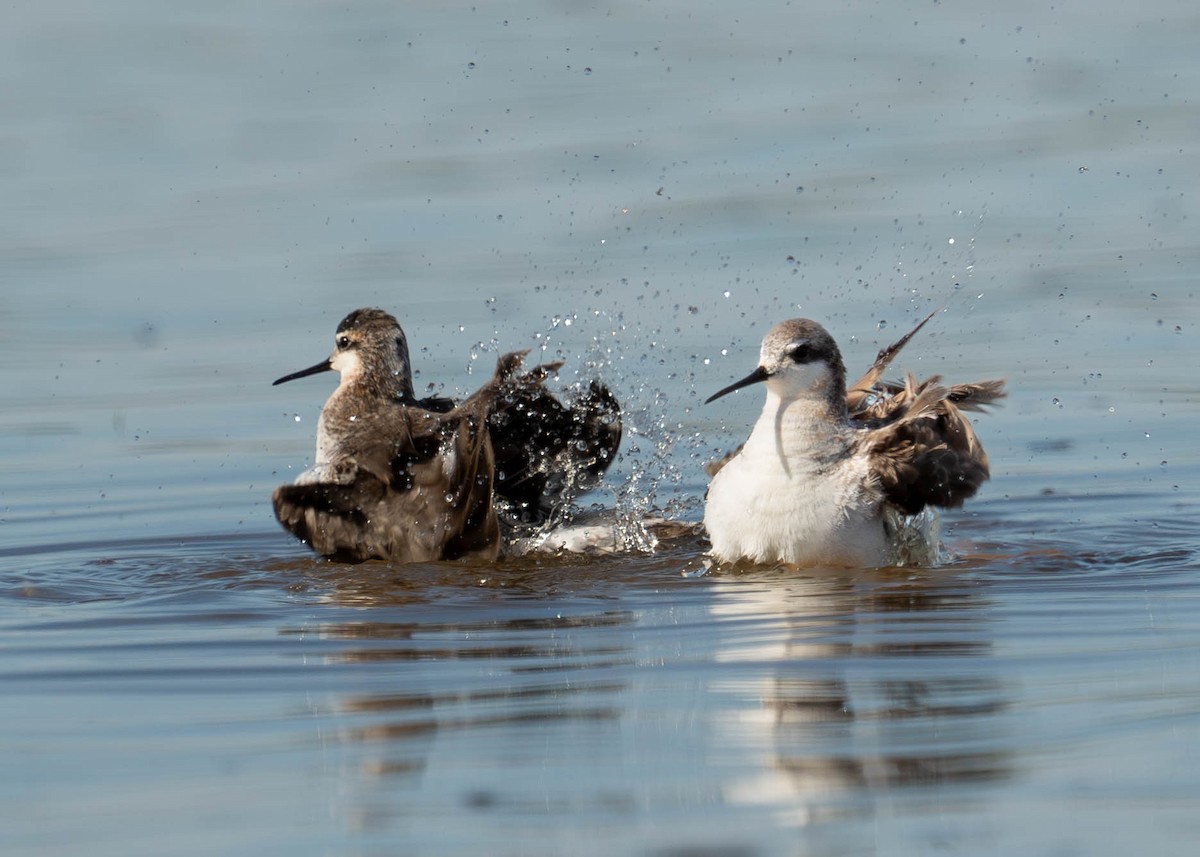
(191, 198)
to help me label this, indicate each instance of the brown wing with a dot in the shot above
(924, 450)
(865, 389)
(417, 487)
(548, 452)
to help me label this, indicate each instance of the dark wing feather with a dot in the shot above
(924, 450)
(547, 452)
(865, 388)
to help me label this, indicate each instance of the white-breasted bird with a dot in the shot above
(839, 477)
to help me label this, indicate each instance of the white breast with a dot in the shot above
(794, 494)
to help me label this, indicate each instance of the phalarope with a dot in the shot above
(407, 479)
(836, 477)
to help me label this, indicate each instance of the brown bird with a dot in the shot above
(407, 479)
(831, 476)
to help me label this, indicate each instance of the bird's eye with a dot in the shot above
(343, 342)
(799, 352)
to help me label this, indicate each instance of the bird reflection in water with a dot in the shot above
(867, 681)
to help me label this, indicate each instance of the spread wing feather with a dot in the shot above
(923, 449)
(547, 452)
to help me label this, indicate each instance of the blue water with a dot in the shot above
(190, 200)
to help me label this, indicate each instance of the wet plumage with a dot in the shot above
(407, 479)
(841, 476)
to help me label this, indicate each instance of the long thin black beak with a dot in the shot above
(323, 366)
(759, 374)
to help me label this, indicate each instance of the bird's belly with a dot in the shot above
(767, 515)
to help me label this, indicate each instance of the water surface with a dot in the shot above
(194, 197)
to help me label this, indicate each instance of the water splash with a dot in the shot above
(629, 504)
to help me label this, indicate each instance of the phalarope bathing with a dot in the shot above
(836, 477)
(407, 479)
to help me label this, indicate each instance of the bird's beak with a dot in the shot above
(324, 366)
(759, 374)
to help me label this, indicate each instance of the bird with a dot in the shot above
(838, 476)
(411, 480)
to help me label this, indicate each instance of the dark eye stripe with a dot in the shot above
(799, 353)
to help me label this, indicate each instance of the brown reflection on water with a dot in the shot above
(461, 657)
(873, 681)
